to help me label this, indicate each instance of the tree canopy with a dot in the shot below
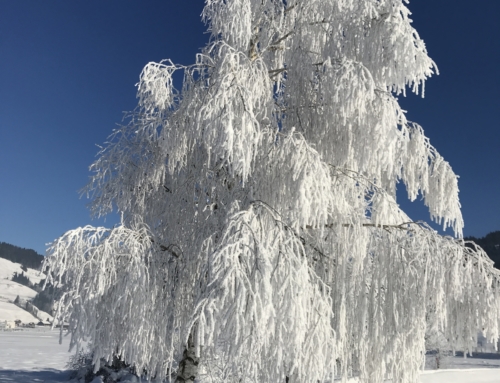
(260, 228)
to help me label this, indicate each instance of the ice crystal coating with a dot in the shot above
(259, 215)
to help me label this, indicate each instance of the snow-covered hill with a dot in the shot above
(8, 268)
(9, 290)
(10, 312)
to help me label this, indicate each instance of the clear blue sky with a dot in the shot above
(68, 70)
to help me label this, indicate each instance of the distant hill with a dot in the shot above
(490, 244)
(26, 257)
(21, 278)
(17, 300)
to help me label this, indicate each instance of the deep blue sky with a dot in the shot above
(68, 70)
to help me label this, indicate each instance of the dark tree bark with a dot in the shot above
(188, 366)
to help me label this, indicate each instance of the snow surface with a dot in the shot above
(35, 355)
(9, 290)
(461, 376)
(8, 268)
(10, 312)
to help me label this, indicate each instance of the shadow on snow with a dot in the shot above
(42, 376)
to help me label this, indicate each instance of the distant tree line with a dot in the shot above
(26, 257)
(22, 280)
(44, 299)
(490, 244)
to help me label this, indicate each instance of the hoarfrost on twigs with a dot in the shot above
(260, 229)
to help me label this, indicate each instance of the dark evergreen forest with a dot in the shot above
(22, 279)
(491, 244)
(26, 257)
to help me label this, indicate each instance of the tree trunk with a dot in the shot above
(188, 366)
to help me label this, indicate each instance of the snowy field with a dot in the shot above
(35, 355)
(461, 376)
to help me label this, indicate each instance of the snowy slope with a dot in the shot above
(8, 268)
(9, 290)
(10, 312)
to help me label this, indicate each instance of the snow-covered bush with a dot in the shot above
(80, 365)
(82, 370)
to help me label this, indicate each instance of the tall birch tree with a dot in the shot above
(260, 236)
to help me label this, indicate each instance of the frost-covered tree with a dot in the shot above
(260, 231)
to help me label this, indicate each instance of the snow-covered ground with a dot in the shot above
(9, 290)
(35, 355)
(461, 376)
(10, 312)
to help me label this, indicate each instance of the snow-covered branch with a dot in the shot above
(260, 228)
